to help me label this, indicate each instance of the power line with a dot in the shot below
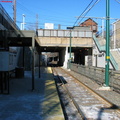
(33, 23)
(117, 1)
(98, 17)
(89, 9)
(86, 11)
(83, 12)
(50, 18)
(25, 9)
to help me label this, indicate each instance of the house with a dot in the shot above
(90, 23)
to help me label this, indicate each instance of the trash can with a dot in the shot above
(19, 72)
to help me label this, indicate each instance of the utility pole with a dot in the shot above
(14, 11)
(36, 21)
(107, 43)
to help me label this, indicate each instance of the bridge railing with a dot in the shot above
(63, 33)
(97, 74)
(5, 19)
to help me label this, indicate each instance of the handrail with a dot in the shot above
(63, 33)
(8, 18)
(102, 49)
(10, 21)
(115, 64)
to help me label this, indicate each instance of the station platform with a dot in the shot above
(23, 104)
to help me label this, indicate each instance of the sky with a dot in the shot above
(63, 12)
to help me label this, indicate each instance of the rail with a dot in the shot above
(98, 74)
(79, 90)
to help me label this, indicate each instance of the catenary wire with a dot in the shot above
(89, 9)
(83, 12)
(117, 1)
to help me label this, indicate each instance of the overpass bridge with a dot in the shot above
(56, 40)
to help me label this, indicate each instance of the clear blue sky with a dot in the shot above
(62, 12)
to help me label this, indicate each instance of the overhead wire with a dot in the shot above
(89, 10)
(83, 12)
(42, 24)
(22, 7)
(117, 1)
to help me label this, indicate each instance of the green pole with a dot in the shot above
(107, 43)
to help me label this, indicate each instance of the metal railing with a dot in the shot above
(113, 62)
(6, 19)
(98, 74)
(63, 33)
(102, 49)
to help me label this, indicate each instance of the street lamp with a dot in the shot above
(23, 23)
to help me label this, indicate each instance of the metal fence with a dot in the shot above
(98, 75)
(63, 33)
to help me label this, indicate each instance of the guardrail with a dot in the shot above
(98, 74)
(63, 33)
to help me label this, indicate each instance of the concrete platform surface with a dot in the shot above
(23, 104)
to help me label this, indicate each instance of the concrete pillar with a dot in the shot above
(33, 61)
(61, 57)
(36, 59)
(66, 58)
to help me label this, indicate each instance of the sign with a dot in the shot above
(49, 26)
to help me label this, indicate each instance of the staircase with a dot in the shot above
(100, 43)
(116, 55)
(114, 58)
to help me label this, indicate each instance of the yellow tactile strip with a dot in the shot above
(51, 105)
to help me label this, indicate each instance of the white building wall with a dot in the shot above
(99, 58)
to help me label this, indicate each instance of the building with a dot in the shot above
(90, 23)
(116, 35)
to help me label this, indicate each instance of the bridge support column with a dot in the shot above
(61, 57)
(33, 61)
(66, 57)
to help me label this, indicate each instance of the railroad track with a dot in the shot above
(87, 102)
